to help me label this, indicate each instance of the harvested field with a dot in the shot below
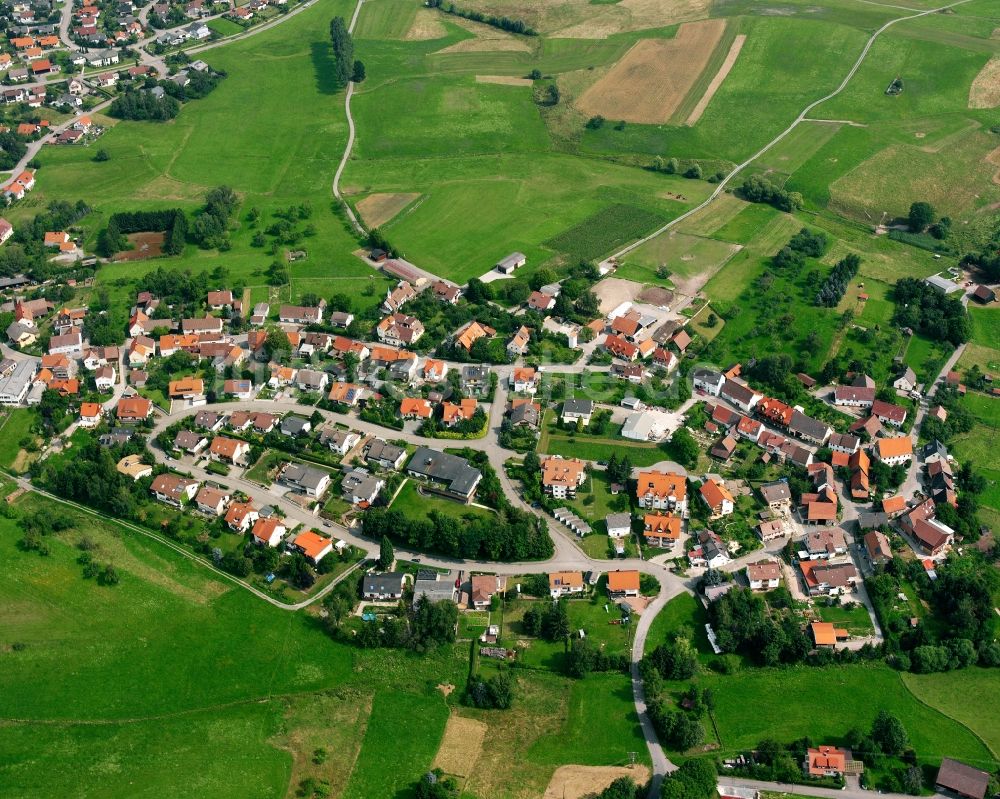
(994, 160)
(648, 84)
(503, 80)
(377, 209)
(720, 76)
(144, 245)
(461, 745)
(575, 782)
(985, 89)
(426, 25)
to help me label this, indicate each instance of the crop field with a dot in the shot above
(401, 738)
(651, 82)
(384, 19)
(515, 209)
(954, 180)
(377, 209)
(607, 229)
(784, 63)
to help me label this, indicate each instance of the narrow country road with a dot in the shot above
(350, 138)
(807, 790)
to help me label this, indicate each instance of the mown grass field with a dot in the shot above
(201, 689)
(784, 708)
(949, 693)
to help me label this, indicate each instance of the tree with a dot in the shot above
(343, 50)
(684, 448)
(385, 554)
(693, 172)
(358, 72)
(595, 122)
(889, 734)
(102, 155)
(921, 216)
(535, 74)
(552, 94)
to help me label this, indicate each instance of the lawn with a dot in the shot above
(985, 326)
(415, 505)
(683, 611)
(854, 619)
(594, 501)
(591, 615)
(784, 703)
(983, 407)
(979, 446)
(950, 693)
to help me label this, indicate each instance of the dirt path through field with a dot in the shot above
(720, 76)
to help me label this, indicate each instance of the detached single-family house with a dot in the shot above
(241, 516)
(623, 584)
(386, 587)
(313, 545)
(269, 531)
(764, 575)
(565, 584)
(717, 497)
(577, 411)
(174, 489)
(310, 481)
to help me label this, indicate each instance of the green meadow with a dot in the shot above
(177, 681)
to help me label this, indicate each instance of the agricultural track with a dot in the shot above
(350, 137)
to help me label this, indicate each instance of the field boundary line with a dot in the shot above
(800, 118)
(190, 556)
(940, 712)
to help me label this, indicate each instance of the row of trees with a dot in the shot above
(835, 285)
(345, 67)
(503, 23)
